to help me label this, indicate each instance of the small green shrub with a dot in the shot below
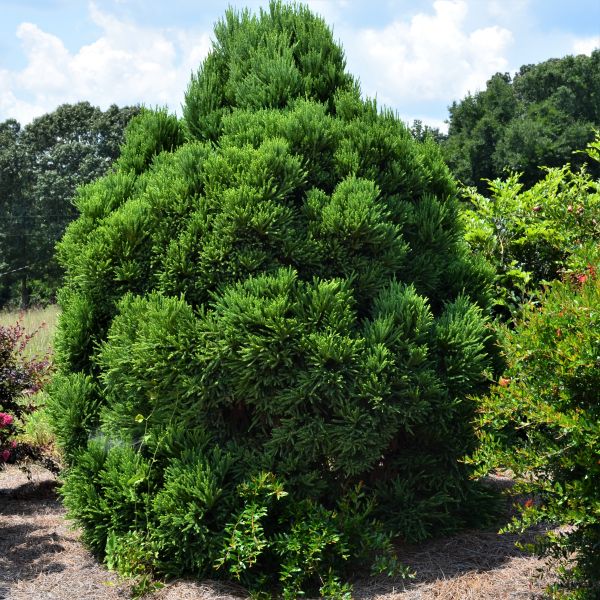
(543, 423)
(37, 429)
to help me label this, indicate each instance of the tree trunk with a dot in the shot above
(24, 292)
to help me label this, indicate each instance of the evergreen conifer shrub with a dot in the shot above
(272, 326)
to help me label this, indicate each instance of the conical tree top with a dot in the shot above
(264, 61)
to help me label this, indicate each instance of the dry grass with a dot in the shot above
(42, 559)
(41, 321)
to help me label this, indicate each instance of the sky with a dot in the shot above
(414, 56)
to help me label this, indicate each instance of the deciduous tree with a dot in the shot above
(42, 165)
(541, 116)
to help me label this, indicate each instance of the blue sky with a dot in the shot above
(415, 56)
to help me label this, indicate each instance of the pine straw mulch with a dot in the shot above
(41, 558)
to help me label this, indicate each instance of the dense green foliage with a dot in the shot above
(536, 235)
(539, 117)
(543, 423)
(41, 165)
(542, 420)
(273, 62)
(271, 328)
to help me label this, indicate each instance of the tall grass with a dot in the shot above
(38, 321)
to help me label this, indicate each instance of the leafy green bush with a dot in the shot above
(271, 331)
(537, 235)
(37, 430)
(543, 423)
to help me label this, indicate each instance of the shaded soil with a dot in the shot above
(41, 558)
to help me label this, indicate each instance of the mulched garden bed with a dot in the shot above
(41, 558)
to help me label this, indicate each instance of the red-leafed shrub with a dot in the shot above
(20, 378)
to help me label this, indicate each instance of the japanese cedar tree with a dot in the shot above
(271, 328)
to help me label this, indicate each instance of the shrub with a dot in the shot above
(537, 235)
(543, 422)
(271, 331)
(20, 378)
(37, 430)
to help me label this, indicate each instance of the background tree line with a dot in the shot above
(541, 116)
(41, 165)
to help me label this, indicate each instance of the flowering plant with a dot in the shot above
(533, 236)
(543, 423)
(20, 378)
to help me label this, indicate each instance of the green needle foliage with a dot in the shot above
(271, 328)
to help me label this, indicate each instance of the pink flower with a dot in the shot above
(5, 455)
(5, 419)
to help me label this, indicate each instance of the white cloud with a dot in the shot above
(586, 45)
(127, 64)
(431, 57)
(426, 119)
(416, 65)
(13, 107)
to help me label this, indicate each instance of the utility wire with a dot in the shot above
(15, 270)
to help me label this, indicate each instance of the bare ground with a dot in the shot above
(41, 558)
